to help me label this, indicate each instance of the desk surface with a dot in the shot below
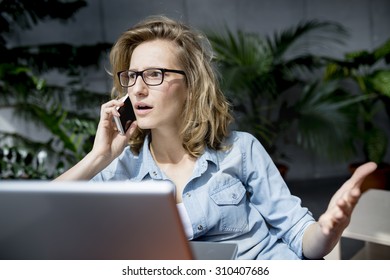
(371, 218)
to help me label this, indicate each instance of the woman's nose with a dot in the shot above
(139, 88)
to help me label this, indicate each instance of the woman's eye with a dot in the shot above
(154, 74)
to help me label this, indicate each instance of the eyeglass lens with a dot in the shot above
(150, 76)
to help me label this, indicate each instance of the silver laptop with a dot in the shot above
(85, 220)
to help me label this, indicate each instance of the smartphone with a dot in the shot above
(127, 116)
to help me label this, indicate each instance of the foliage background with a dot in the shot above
(60, 107)
(100, 21)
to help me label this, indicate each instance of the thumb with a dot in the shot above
(362, 172)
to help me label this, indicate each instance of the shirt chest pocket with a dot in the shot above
(230, 202)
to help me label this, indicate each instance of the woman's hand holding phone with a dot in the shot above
(108, 142)
(108, 145)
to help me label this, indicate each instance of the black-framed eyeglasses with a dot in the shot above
(151, 76)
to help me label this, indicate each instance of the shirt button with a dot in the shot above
(188, 194)
(200, 227)
(234, 195)
(154, 173)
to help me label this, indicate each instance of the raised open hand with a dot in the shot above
(339, 211)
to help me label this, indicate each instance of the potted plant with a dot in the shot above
(367, 73)
(272, 84)
(58, 108)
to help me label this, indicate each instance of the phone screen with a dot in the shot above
(127, 116)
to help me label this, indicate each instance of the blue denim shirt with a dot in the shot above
(234, 196)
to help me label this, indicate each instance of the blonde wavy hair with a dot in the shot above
(206, 114)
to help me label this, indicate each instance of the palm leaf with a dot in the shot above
(296, 39)
(326, 119)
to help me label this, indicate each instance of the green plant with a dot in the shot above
(16, 163)
(61, 109)
(369, 72)
(273, 86)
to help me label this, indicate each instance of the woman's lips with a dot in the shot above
(143, 108)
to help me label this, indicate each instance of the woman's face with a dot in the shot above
(158, 107)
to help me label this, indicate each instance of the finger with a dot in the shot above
(349, 200)
(326, 224)
(112, 103)
(131, 129)
(352, 195)
(339, 215)
(110, 109)
(345, 207)
(109, 112)
(332, 221)
(362, 172)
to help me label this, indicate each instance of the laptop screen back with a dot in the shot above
(84, 220)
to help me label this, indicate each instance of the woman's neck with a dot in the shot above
(171, 157)
(167, 147)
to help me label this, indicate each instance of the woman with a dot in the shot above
(227, 187)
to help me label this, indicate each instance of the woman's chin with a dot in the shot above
(143, 125)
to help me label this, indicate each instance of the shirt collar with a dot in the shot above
(211, 155)
(150, 168)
